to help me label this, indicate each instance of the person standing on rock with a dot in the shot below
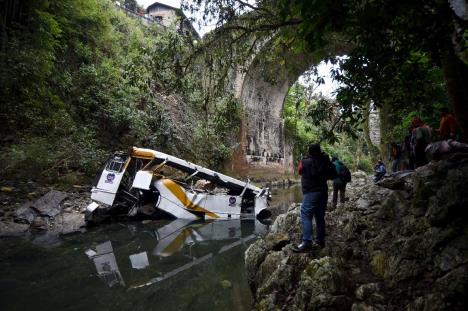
(339, 183)
(396, 156)
(315, 170)
(408, 148)
(421, 138)
(448, 125)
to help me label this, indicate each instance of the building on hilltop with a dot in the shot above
(134, 11)
(169, 16)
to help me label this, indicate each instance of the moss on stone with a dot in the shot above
(379, 263)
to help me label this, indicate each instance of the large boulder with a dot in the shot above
(322, 286)
(397, 181)
(66, 223)
(49, 213)
(25, 213)
(49, 205)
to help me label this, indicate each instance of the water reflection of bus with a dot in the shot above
(179, 245)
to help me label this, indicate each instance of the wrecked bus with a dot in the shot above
(135, 185)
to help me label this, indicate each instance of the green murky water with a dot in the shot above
(283, 197)
(162, 265)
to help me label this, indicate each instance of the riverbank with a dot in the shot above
(30, 208)
(397, 245)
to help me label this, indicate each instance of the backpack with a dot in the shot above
(344, 173)
(330, 172)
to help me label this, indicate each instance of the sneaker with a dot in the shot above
(305, 246)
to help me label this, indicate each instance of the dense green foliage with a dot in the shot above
(79, 79)
(409, 57)
(310, 119)
(132, 5)
(399, 51)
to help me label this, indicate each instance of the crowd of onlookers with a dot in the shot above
(316, 168)
(411, 153)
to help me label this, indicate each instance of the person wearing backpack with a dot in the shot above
(339, 183)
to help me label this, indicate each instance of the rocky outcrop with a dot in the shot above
(55, 212)
(404, 247)
(10, 228)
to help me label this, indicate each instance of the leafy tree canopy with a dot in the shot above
(82, 79)
(400, 53)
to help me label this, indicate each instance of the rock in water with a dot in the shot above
(49, 204)
(9, 229)
(68, 223)
(25, 213)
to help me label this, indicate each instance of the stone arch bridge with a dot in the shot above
(262, 87)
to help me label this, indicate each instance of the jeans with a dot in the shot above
(313, 205)
(420, 155)
(396, 165)
(338, 188)
(378, 176)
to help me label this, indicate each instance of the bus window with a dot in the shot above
(116, 164)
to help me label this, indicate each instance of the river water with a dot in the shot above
(160, 265)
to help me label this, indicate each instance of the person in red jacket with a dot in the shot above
(448, 125)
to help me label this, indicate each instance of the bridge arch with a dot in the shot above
(262, 88)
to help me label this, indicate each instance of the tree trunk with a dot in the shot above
(386, 126)
(358, 154)
(456, 77)
(373, 150)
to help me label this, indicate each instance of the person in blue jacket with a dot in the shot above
(379, 170)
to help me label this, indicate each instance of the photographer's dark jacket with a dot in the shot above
(315, 170)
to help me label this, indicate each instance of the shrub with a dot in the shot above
(365, 165)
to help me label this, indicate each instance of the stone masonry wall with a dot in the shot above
(374, 127)
(263, 104)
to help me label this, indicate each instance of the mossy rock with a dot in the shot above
(323, 286)
(278, 281)
(276, 241)
(379, 263)
(267, 303)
